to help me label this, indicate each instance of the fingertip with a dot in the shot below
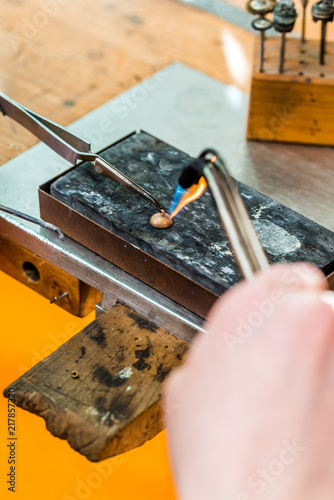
(296, 276)
(328, 298)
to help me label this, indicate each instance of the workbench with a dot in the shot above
(81, 57)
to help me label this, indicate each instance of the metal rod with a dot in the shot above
(32, 219)
(261, 24)
(304, 24)
(262, 36)
(282, 54)
(323, 42)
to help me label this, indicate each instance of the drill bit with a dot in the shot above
(282, 54)
(304, 5)
(261, 24)
(285, 16)
(323, 11)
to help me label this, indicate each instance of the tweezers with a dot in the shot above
(233, 215)
(67, 145)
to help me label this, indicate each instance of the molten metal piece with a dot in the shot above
(161, 220)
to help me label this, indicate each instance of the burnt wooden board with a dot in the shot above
(113, 404)
(195, 245)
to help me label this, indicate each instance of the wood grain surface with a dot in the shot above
(65, 61)
(84, 53)
(101, 390)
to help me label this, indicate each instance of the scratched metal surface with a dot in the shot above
(195, 245)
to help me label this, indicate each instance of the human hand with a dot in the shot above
(250, 414)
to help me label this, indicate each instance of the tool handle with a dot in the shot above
(235, 219)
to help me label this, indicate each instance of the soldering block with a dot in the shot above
(191, 262)
(298, 105)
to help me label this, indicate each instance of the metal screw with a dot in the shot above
(60, 297)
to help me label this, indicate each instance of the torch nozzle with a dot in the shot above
(233, 215)
(210, 169)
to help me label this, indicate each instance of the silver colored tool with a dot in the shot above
(323, 11)
(285, 16)
(67, 145)
(261, 24)
(34, 220)
(304, 5)
(234, 216)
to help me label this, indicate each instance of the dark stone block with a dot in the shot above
(195, 245)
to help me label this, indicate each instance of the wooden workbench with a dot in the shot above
(88, 52)
(68, 62)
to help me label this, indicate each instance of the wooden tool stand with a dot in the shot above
(295, 106)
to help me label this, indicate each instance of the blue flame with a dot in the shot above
(179, 192)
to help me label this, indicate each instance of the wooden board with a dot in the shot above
(101, 389)
(298, 105)
(47, 279)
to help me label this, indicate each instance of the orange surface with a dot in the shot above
(47, 468)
